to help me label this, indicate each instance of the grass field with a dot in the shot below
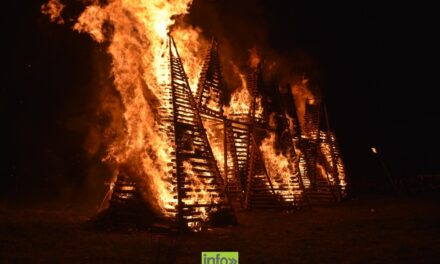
(367, 230)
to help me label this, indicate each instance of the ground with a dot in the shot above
(365, 230)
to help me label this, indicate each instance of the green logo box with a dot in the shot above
(219, 257)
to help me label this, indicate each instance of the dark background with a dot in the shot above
(358, 51)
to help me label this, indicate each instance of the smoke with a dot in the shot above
(107, 121)
(242, 29)
(237, 32)
(254, 59)
(94, 115)
(301, 94)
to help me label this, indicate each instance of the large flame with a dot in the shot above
(136, 31)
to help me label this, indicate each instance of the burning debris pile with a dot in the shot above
(185, 156)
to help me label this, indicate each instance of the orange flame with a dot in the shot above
(259, 109)
(53, 9)
(138, 48)
(340, 167)
(240, 99)
(333, 159)
(302, 94)
(254, 59)
(279, 167)
(323, 173)
(191, 46)
(199, 192)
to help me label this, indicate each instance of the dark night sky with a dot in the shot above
(357, 48)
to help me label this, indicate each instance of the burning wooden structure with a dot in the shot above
(217, 157)
(244, 168)
(186, 155)
(198, 186)
(324, 166)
